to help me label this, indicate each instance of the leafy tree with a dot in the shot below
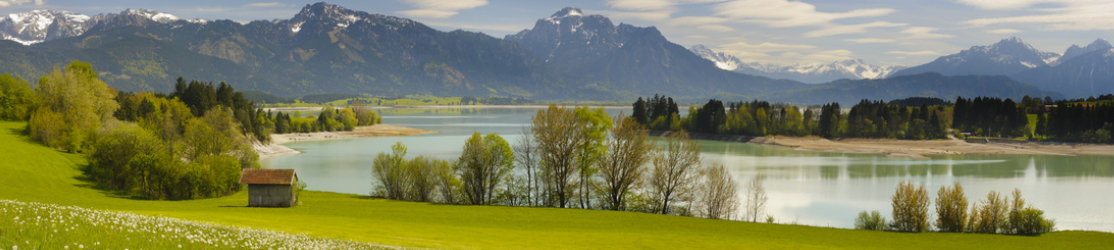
(81, 100)
(482, 165)
(910, 208)
(870, 221)
(559, 143)
(951, 209)
(389, 170)
(595, 124)
(989, 216)
(1026, 220)
(17, 100)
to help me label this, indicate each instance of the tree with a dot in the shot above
(526, 155)
(420, 179)
(718, 195)
(640, 115)
(17, 100)
(910, 208)
(595, 124)
(951, 209)
(388, 170)
(560, 136)
(1026, 220)
(756, 198)
(623, 168)
(81, 100)
(673, 167)
(482, 165)
(990, 215)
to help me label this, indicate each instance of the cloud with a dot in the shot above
(870, 40)
(765, 47)
(265, 5)
(784, 13)
(914, 53)
(924, 33)
(696, 20)
(716, 28)
(440, 9)
(1003, 31)
(661, 15)
(20, 2)
(836, 29)
(1078, 15)
(640, 5)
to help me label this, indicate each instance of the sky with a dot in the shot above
(882, 32)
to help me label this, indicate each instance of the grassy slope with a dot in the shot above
(31, 172)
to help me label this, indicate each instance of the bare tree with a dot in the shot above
(718, 195)
(756, 198)
(623, 169)
(526, 156)
(673, 167)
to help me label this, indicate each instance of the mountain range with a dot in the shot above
(1079, 72)
(808, 73)
(326, 48)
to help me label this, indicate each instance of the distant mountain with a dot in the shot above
(1083, 75)
(1007, 57)
(633, 60)
(41, 25)
(1075, 50)
(808, 73)
(933, 85)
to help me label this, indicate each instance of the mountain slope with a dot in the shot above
(633, 60)
(922, 85)
(1081, 76)
(1007, 57)
(808, 73)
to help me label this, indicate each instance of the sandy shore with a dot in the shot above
(277, 149)
(918, 149)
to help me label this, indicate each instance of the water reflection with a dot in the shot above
(814, 188)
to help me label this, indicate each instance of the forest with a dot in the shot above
(759, 118)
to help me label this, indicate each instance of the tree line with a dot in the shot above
(760, 118)
(996, 214)
(150, 145)
(1082, 120)
(330, 119)
(570, 158)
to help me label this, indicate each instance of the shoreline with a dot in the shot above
(914, 149)
(275, 148)
(288, 109)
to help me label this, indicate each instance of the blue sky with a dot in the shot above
(906, 32)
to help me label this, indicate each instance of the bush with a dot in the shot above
(871, 221)
(1026, 220)
(910, 208)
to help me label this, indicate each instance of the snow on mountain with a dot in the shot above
(43, 25)
(39, 25)
(1006, 57)
(1075, 50)
(809, 73)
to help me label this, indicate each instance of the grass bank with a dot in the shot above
(30, 172)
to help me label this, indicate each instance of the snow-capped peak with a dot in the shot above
(35, 26)
(151, 14)
(805, 72)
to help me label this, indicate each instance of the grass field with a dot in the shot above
(30, 172)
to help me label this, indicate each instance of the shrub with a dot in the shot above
(865, 221)
(910, 208)
(1026, 220)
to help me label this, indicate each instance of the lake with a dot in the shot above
(811, 188)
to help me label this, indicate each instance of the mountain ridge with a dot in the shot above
(809, 73)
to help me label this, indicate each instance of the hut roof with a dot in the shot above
(268, 176)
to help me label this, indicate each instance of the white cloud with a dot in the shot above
(20, 2)
(914, 53)
(265, 5)
(696, 20)
(836, 29)
(870, 40)
(1058, 14)
(640, 5)
(765, 47)
(924, 33)
(1003, 31)
(716, 28)
(784, 13)
(438, 9)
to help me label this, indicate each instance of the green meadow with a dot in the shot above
(30, 172)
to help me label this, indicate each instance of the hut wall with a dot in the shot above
(262, 195)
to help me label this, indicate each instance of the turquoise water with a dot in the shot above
(812, 188)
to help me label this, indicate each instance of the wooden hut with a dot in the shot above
(270, 187)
